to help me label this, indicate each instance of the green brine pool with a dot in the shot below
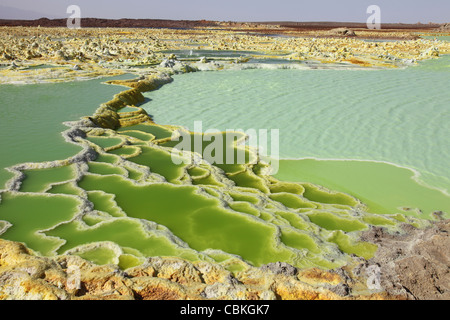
(356, 148)
(390, 126)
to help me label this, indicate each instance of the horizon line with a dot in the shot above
(232, 21)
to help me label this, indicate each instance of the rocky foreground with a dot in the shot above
(42, 54)
(414, 265)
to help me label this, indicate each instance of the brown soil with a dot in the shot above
(279, 27)
(111, 23)
(417, 263)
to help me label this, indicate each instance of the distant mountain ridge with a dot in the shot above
(22, 14)
(185, 24)
(112, 23)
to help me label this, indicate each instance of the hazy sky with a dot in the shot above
(405, 11)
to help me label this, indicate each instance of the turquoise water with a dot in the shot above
(399, 116)
(32, 116)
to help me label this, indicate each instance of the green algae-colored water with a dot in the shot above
(444, 38)
(31, 213)
(39, 180)
(383, 187)
(394, 116)
(133, 201)
(32, 117)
